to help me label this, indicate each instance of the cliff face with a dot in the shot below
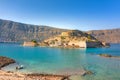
(109, 36)
(14, 31)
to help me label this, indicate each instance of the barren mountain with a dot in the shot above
(110, 36)
(19, 32)
(14, 31)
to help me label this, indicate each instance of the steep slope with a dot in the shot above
(14, 31)
(110, 36)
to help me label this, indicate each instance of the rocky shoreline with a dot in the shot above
(9, 75)
(109, 56)
(4, 61)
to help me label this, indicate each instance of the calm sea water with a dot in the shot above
(57, 60)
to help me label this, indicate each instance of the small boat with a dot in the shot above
(19, 67)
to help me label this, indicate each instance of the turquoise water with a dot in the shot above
(57, 60)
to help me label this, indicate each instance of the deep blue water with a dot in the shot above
(57, 60)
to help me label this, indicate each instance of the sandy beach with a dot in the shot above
(7, 75)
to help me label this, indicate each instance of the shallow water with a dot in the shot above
(57, 60)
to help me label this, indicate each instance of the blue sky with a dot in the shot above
(69, 14)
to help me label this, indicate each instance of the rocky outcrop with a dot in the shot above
(88, 72)
(94, 44)
(105, 55)
(109, 56)
(4, 61)
(72, 39)
(48, 77)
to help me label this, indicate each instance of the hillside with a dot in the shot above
(19, 32)
(73, 39)
(110, 36)
(14, 31)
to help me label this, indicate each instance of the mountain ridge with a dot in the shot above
(15, 31)
(109, 35)
(11, 31)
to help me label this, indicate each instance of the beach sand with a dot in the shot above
(7, 75)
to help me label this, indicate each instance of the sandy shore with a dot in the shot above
(6, 75)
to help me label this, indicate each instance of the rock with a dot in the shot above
(109, 56)
(4, 61)
(105, 55)
(105, 44)
(88, 72)
(47, 76)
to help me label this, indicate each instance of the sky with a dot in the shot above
(68, 14)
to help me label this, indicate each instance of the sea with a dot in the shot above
(64, 61)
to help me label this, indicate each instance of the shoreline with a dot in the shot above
(12, 75)
(9, 75)
(16, 75)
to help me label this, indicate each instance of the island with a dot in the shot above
(70, 39)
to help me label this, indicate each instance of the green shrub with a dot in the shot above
(62, 37)
(34, 41)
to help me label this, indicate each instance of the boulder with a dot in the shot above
(105, 55)
(4, 61)
(88, 72)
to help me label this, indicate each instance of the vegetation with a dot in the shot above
(89, 37)
(52, 42)
(62, 37)
(34, 41)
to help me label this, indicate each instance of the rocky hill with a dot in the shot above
(11, 31)
(14, 31)
(109, 36)
(73, 39)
